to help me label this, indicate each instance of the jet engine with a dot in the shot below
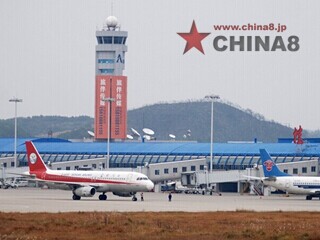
(84, 191)
(124, 194)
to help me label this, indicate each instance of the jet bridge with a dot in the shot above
(229, 180)
(222, 180)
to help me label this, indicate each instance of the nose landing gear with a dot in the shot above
(103, 197)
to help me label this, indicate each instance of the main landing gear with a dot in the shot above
(134, 198)
(308, 197)
(103, 197)
(76, 197)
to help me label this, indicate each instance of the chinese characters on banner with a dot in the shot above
(111, 87)
(297, 135)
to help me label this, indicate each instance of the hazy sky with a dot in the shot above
(47, 56)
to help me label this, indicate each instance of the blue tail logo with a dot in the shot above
(269, 164)
(270, 169)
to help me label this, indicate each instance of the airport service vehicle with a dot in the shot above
(178, 188)
(87, 183)
(273, 177)
(13, 183)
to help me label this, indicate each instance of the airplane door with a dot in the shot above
(93, 178)
(287, 185)
(43, 175)
(129, 177)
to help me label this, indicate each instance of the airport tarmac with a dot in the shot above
(50, 200)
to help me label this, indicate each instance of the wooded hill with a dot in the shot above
(230, 123)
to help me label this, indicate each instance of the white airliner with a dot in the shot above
(304, 185)
(87, 183)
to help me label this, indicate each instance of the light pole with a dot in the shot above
(212, 98)
(15, 100)
(109, 100)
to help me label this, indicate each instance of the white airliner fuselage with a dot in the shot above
(296, 185)
(273, 177)
(104, 181)
(87, 183)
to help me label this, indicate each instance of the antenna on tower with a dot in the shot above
(111, 8)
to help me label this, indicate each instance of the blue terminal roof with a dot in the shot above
(59, 146)
(7, 144)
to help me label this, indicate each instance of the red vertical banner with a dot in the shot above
(119, 107)
(102, 91)
(111, 87)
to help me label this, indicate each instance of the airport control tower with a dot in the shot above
(111, 85)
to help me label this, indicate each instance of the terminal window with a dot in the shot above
(107, 40)
(175, 170)
(100, 40)
(106, 71)
(118, 40)
(193, 168)
(313, 169)
(295, 171)
(166, 170)
(156, 172)
(304, 170)
(285, 170)
(105, 60)
(184, 169)
(201, 167)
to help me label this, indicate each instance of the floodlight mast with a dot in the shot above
(109, 100)
(15, 100)
(212, 98)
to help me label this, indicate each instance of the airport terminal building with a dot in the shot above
(164, 161)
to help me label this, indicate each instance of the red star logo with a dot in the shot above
(193, 38)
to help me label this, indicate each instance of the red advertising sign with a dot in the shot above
(114, 87)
